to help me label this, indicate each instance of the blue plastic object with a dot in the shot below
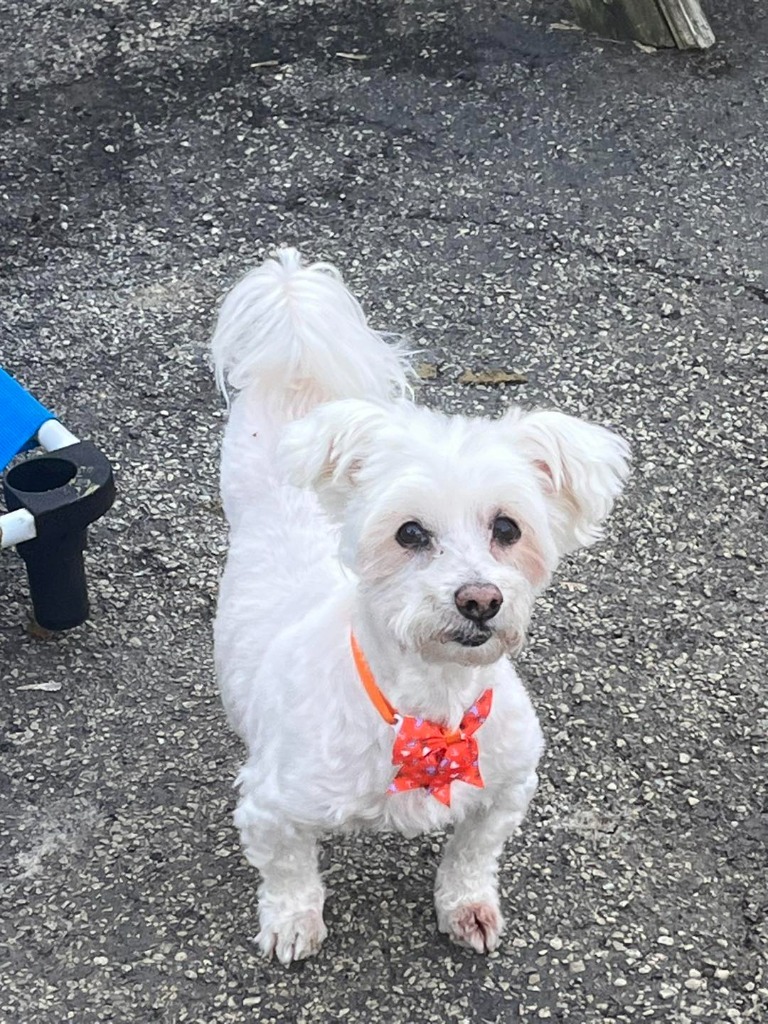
(21, 416)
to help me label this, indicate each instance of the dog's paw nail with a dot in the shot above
(477, 925)
(265, 940)
(293, 938)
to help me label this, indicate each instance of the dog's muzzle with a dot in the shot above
(472, 637)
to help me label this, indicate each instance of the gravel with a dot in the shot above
(583, 216)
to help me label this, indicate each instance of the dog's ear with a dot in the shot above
(326, 449)
(582, 467)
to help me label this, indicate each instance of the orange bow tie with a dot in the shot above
(430, 755)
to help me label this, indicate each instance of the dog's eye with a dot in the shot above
(505, 530)
(412, 535)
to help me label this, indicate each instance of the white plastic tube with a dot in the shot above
(16, 527)
(53, 435)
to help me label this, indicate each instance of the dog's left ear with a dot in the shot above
(327, 448)
(582, 467)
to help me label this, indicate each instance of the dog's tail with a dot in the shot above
(293, 336)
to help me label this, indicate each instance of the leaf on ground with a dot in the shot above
(426, 371)
(37, 631)
(492, 377)
(644, 47)
(51, 686)
(566, 26)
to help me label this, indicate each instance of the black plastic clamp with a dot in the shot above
(65, 490)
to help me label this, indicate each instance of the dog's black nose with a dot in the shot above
(478, 601)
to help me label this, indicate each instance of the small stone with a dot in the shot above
(556, 942)
(100, 961)
(665, 940)
(721, 974)
(667, 991)
(684, 758)
(693, 984)
(576, 966)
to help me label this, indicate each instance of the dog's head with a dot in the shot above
(454, 525)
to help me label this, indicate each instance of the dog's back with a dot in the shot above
(288, 338)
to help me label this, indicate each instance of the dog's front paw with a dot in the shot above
(292, 937)
(476, 925)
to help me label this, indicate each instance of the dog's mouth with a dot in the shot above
(476, 638)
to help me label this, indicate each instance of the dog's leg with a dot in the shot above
(466, 889)
(291, 893)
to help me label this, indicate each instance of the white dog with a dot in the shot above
(383, 563)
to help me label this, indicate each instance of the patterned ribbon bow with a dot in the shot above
(430, 755)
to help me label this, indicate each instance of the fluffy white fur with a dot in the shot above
(324, 458)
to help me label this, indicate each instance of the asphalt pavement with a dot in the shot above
(586, 217)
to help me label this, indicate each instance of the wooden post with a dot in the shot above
(688, 24)
(680, 23)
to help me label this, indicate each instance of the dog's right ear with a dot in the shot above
(327, 448)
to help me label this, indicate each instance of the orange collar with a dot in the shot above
(379, 701)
